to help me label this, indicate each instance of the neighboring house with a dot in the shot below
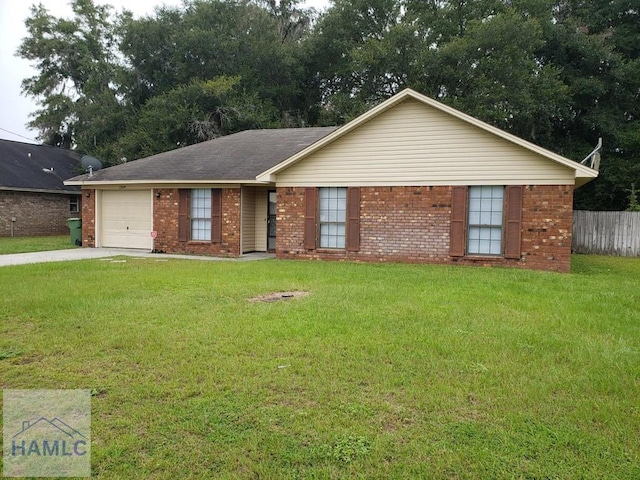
(411, 180)
(33, 197)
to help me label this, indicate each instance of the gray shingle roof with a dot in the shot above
(23, 165)
(238, 157)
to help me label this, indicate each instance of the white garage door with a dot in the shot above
(127, 219)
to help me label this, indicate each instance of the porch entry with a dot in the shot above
(258, 219)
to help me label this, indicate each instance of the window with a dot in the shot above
(485, 220)
(74, 206)
(200, 214)
(333, 217)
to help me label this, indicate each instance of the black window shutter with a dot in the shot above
(216, 215)
(458, 235)
(353, 219)
(513, 221)
(310, 213)
(183, 215)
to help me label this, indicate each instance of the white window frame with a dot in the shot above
(485, 222)
(200, 214)
(332, 203)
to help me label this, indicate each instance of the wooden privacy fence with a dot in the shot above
(606, 233)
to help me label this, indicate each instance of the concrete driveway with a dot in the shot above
(88, 253)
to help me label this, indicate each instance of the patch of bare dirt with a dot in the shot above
(279, 296)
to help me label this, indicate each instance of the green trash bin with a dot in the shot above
(75, 230)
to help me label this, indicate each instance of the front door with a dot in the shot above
(271, 221)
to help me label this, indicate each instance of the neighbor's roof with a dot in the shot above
(36, 168)
(240, 157)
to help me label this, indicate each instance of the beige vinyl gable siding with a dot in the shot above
(414, 144)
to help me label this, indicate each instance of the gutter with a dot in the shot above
(161, 183)
(40, 190)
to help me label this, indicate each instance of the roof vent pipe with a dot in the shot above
(594, 157)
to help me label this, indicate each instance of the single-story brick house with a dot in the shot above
(33, 197)
(411, 180)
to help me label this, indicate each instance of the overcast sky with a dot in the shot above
(15, 108)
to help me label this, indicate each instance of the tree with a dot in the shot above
(492, 72)
(75, 59)
(634, 205)
(118, 87)
(591, 44)
(209, 39)
(560, 73)
(188, 114)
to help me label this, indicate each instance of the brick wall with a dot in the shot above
(397, 224)
(88, 218)
(547, 222)
(165, 222)
(35, 213)
(411, 224)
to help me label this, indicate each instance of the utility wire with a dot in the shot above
(18, 135)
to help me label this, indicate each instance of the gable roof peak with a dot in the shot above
(581, 171)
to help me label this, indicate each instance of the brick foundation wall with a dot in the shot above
(35, 213)
(411, 224)
(88, 218)
(165, 222)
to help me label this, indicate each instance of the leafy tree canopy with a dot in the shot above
(560, 73)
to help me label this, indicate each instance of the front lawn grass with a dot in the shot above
(34, 244)
(383, 371)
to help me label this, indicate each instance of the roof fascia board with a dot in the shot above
(161, 183)
(580, 170)
(40, 190)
